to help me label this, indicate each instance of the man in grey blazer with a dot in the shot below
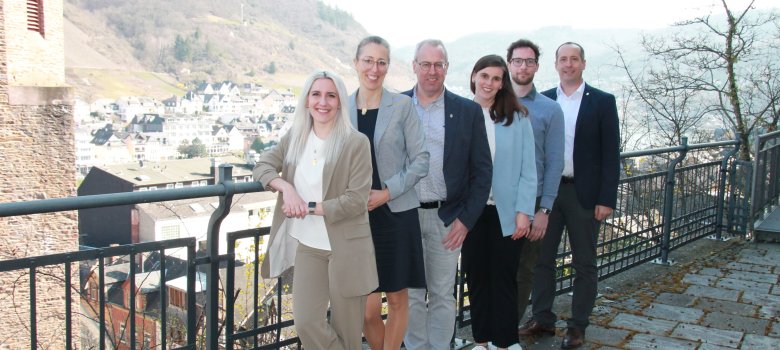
(452, 195)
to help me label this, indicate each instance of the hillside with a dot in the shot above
(161, 48)
(598, 43)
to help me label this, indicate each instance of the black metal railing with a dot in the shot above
(660, 208)
(663, 209)
(766, 174)
(211, 260)
(66, 260)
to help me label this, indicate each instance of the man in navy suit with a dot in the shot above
(452, 195)
(586, 196)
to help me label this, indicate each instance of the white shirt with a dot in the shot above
(571, 108)
(310, 230)
(490, 128)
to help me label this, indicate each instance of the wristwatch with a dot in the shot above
(312, 206)
(547, 211)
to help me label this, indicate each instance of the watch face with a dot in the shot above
(312, 205)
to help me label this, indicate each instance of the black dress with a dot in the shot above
(397, 237)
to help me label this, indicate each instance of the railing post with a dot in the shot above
(669, 204)
(757, 190)
(225, 176)
(722, 189)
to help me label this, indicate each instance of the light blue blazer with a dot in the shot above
(399, 144)
(514, 172)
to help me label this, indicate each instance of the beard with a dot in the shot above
(528, 80)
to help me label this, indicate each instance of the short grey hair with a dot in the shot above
(434, 43)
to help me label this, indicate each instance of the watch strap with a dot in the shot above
(312, 206)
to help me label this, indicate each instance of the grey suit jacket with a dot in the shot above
(346, 185)
(399, 145)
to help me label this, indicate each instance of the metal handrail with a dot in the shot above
(124, 198)
(227, 188)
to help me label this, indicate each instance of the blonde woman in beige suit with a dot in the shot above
(320, 223)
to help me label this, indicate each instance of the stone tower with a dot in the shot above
(37, 161)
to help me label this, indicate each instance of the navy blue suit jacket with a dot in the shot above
(596, 148)
(468, 169)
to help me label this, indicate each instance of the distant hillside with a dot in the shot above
(111, 45)
(600, 71)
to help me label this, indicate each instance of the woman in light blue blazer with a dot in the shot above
(399, 158)
(489, 254)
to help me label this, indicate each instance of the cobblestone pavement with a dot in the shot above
(720, 295)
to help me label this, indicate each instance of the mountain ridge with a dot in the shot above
(186, 42)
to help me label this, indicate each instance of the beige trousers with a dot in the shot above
(313, 289)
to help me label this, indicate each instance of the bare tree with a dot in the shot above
(725, 61)
(633, 126)
(674, 110)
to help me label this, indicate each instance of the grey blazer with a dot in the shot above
(399, 145)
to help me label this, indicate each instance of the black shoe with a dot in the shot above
(533, 327)
(573, 338)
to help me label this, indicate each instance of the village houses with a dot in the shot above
(226, 118)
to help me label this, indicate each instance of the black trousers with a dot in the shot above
(490, 264)
(525, 270)
(583, 234)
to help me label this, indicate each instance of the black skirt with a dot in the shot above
(398, 246)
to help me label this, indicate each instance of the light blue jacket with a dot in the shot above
(399, 144)
(514, 172)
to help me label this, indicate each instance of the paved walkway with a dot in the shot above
(721, 295)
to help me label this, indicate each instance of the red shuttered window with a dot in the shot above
(35, 16)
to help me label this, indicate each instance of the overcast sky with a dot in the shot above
(405, 22)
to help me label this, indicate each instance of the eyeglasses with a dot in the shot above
(518, 62)
(426, 66)
(370, 62)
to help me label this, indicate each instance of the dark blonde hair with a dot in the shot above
(373, 39)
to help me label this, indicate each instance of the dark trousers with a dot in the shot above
(529, 253)
(490, 264)
(583, 233)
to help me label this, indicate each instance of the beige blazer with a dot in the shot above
(346, 185)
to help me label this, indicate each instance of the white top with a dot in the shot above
(310, 230)
(571, 108)
(490, 128)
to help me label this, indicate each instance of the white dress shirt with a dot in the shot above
(571, 108)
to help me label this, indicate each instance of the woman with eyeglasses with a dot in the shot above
(489, 254)
(320, 223)
(399, 160)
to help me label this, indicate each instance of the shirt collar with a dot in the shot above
(531, 94)
(577, 93)
(439, 101)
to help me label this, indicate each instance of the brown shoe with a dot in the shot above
(573, 338)
(533, 327)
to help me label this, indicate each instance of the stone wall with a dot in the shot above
(37, 162)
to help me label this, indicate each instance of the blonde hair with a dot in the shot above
(302, 122)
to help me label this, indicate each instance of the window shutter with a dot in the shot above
(35, 16)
